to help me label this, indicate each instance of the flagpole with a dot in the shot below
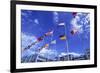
(38, 53)
(66, 41)
(56, 20)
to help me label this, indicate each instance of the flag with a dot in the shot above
(74, 13)
(74, 31)
(62, 37)
(40, 39)
(53, 42)
(46, 45)
(61, 24)
(49, 33)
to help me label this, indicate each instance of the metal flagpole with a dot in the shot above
(66, 41)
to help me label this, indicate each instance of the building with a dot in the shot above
(44, 59)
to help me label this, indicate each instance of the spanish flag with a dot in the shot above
(62, 37)
(46, 45)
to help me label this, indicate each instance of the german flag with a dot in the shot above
(62, 37)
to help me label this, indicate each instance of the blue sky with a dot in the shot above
(37, 23)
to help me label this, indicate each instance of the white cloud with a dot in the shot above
(55, 13)
(81, 22)
(24, 14)
(36, 21)
(27, 40)
(74, 54)
(62, 54)
(48, 53)
(87, 19)
(56, 17)
(71, 53)
(75, 24)
(28, 53)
